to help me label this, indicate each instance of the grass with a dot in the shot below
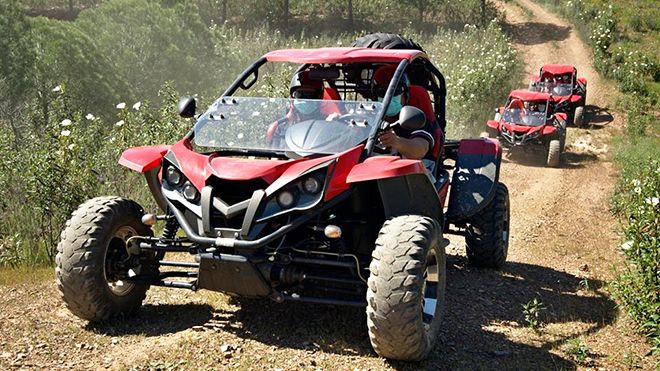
(578, 350)
(25, 274)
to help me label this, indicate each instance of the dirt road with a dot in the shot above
(563, 247)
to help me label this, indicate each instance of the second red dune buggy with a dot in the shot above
(569, 92)
(318, 216)
(529, 120)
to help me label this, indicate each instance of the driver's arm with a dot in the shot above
(413, 148)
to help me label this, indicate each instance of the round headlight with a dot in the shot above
(190, 192)
(312, 185)
(286, 199)
(173, 176)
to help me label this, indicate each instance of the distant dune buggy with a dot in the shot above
(569, 92)
(317, 217)
(529, 120)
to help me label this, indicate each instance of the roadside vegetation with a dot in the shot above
(84, 83)
(625, 37)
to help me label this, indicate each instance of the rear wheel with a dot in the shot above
(554, 153)
(487, 233)
(578, 117)
(406, 294)
(93, 259)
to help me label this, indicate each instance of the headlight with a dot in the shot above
(312, 185)
(173, 176)
(190, 192)
(287, 198)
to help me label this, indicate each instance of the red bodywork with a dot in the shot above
(143, 159)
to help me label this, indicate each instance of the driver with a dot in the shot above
(415, 145)
(303, 90)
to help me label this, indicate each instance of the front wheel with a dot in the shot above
(554, 153)
(406, 294)
(578, 117)
(487, 232)
(93, 259)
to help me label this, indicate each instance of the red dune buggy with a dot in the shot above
(318, 216)
(569, 92)
(528, 119)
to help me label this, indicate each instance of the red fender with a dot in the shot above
(575, 98)
(493, 124)
(380, 167)
(561, 116)
(549, 130)
(582, 80)
(143, 159)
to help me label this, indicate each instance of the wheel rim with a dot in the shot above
(115, 254)
(430, 289)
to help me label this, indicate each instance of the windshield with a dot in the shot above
(297, 127)
(554, 88)
(524, 117)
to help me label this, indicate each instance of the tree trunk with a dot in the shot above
(483, 13)
(350, 14)
(286, 17)
(71, 14)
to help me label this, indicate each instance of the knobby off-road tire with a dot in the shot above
(578, 117)
(382, 40)
(93, 239)
(487, 233)
(554, 153)
(406, 295)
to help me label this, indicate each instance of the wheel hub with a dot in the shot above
(116, 258)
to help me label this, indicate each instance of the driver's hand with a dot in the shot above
(389, 139)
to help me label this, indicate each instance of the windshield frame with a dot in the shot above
(253, 70)
(546, 113)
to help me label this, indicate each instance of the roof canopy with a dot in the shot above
(557, 69)
(527, 95)
(343, 55)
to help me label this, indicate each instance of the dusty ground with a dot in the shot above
(563, 248)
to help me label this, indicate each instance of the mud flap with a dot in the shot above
(475, 177)
(410, 194)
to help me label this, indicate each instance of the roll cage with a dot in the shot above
(357, 65)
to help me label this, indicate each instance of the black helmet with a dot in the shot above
(301, 81)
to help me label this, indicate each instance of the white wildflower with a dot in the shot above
(120, 123)
(71, 146)
(57, 88)
(137, 105)
(626, 245)
(121, 105)
(90, 116)
(653, 201)
(65, 122)
(65, 133)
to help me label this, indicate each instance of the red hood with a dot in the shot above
(199, 167)
(520, 129)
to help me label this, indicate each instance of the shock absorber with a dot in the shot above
(170, 229)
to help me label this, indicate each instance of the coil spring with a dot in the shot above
(170, 229)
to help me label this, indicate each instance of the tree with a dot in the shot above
(350, 14)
